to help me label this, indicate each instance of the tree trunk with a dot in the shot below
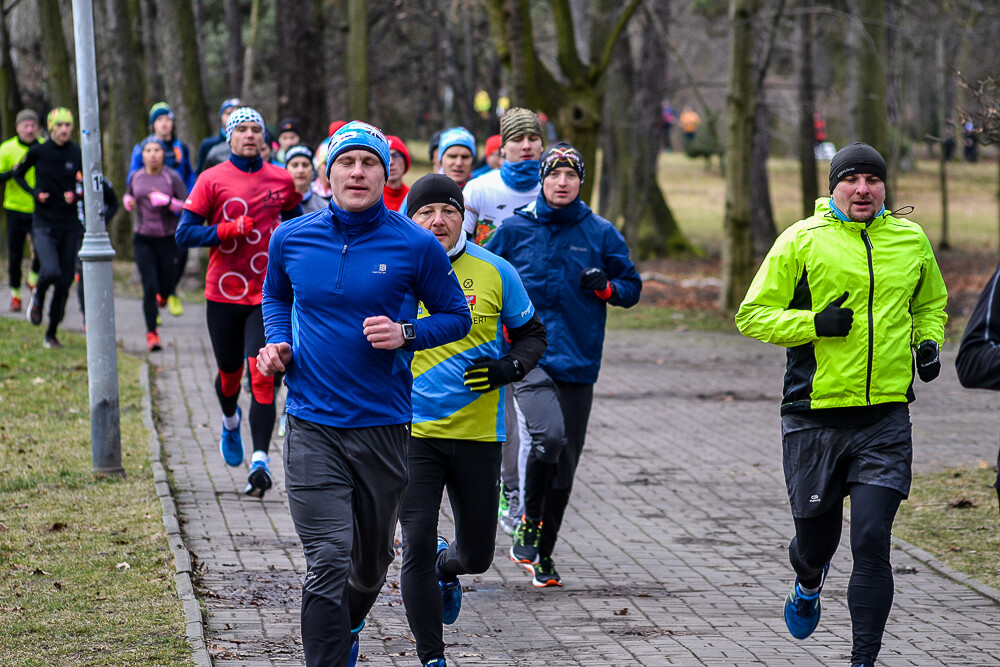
(300, 72)
(234, 47)
(56, 55)
(870, 115)
(807, 108)
(630, 193)
(764, 230)
(182, 74)
(737, 246)
(10, 94)
(250, 53)
(358, 87)
(126, 121)
(151, 57)
(942, 113)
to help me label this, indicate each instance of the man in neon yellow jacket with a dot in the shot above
(853, 293)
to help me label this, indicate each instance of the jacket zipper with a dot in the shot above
(340, 275)
(871, 320)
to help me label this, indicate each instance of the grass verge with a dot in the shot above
(953, 515)
(86, 575)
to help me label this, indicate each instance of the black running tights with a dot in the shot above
(869, 594)
(237, 333)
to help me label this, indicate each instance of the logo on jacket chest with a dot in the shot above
(380, 270)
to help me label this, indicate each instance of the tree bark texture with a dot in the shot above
(251, 50)
(10, 94)
(182, 70)
(807, 108)
(631, 197)
(764, 229)
(358, 86)
(234, 47)
(56, 54)
(300, 72)
(870, 115)
(737, 245)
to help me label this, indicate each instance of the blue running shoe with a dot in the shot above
(802, 611)
(352, 659)
(436, 663)
(231, 444)
(451, 593)
(259, 479)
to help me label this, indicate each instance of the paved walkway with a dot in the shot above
(673, 550)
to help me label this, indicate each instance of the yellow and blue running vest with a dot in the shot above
(442, 405)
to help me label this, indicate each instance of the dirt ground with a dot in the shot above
(693, 283)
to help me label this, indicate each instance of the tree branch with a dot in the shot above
(600, 66)
(566, 54)
(765, 62)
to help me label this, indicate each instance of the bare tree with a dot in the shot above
(572, 96)
(10, 94)
(300, 72)
(61, 90)
(234, 47)
(807, 109)
(630, 194)
(358, 87)
(182, 77)
(737, 246)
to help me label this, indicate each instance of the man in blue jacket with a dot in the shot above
(573, 263)
(340, 314)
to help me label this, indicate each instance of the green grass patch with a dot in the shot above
(86, 575)
(953, 515)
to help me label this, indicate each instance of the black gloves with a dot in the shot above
(486, 374)
(593, 278)
(833, 320)
(597, 280)
(928, 360)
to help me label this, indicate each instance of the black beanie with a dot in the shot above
(434, 189)
(858, 158)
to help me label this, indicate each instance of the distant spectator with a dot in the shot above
(689, 121)
(668, 118)
(970, 143)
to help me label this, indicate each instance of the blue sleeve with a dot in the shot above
(402, 207)
(292, 213)
(978, 360)
(437, 286)
(497, 244)
(620, 269)
(187, 173)
(277, 298)
(192, 233)
(135, 162)
(517, 308)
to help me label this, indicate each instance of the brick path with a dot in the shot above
(673, 550)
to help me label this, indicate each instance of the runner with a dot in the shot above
(299, 163)
(458, 422)
(488, 200)
(156, 195)
(573, 264)
(288, 136)
(854, 293)
(399, 163)
(492, 159)
(458, 152)
(341, 313)
(18, 205)
(243, 200)
(56, 228)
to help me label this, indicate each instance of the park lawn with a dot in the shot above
(953, 515)
(86, 575)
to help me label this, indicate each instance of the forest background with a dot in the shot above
(902, 75)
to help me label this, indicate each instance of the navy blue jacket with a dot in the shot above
(550, 248)
(329, 270)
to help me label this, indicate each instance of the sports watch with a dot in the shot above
(409, 334)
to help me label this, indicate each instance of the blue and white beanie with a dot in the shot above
(359, 135)
(243, 115)
(456, 136)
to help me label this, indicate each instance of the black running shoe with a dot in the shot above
(525, 546)
(34, 310)
(52, 343)
(545, 573)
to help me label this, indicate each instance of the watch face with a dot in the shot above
(409, 333)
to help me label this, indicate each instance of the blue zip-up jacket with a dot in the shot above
(175, 156)
(550, 248)
(329, 270)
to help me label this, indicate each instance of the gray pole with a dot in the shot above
(99, 296)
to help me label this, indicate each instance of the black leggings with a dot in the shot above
(18, 229)
(237, 334)
(556, 415)
(156, 258)
(57, 248)
(471, 472)
(869, 594)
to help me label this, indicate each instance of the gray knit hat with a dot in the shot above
(517, 122)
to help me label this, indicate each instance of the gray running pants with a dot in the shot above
(345, 486)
